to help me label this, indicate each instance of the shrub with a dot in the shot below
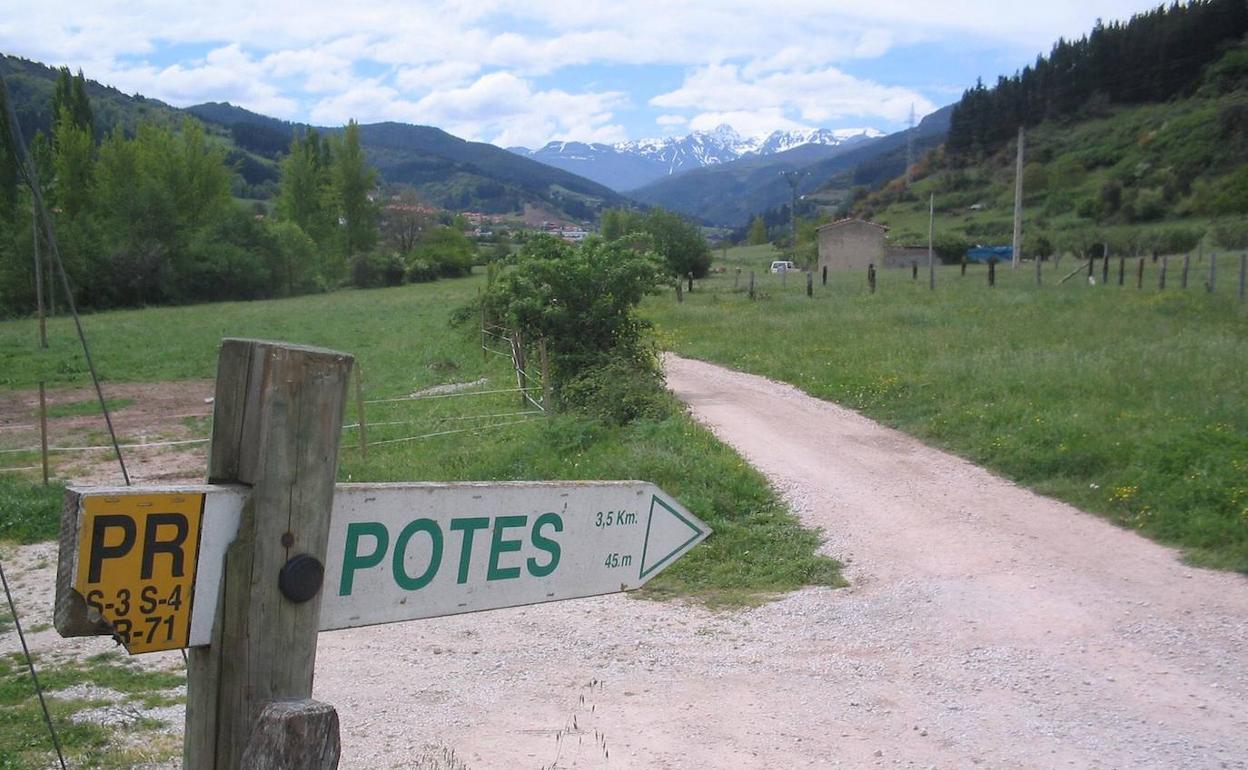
(420, 271)
(582, 300)
(617, 391)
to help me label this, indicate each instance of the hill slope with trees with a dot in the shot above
(1128, 143)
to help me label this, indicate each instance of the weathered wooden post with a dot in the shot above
(517, 359)
(1105, 266)
(359, 410)
(963, 265)
(1213, 272)
(691, 282)
(810, 284)
(276, 427)
(751, 284)
(485, 342)
(545, 359)
(914, 271)
(1161, 276)
(1187, 263)
(825, 275)
(992, 272)
(871, 277)
(1139, 275)
(1122, 268)
(1091, 266)
(680, 294)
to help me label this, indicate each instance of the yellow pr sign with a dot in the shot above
(136, 565)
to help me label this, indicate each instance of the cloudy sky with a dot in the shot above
(524, 73)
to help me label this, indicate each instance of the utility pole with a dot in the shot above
(1018, 199)
(793, 178)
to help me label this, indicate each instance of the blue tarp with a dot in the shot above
(987, 253)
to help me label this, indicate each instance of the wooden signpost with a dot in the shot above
(247, 569)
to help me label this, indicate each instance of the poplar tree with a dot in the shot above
(354, 179)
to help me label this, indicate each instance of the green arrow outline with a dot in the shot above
(646, 546)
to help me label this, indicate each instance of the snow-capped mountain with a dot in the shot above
(629, 165)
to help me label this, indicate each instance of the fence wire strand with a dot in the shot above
(30, 664)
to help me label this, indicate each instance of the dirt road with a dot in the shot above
(985, 627)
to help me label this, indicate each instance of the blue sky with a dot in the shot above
(524, 73)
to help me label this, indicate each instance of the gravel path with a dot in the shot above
(986, 626)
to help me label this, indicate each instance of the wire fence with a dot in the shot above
(485, 421)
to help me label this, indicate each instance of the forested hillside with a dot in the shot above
(1136, 137)
(1153, 57)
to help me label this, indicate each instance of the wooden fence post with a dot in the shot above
(1122, 268)
(1187, 263)
(541, 351)
(1105, 266)
(359, 410)
(992, 272)
(1139, 275)
(691, 282)
(680, 295)
(299, 734)
(914, 271)
(825, 275)
(276, 426)
(871, 277)
(1213, 272)
(1161, 276)
(964, 265)
(810, 284)
(751, 284)
(517, 359)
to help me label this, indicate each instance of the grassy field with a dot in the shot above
(1129, 403)
(404, 342)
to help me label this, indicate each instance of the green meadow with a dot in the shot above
(403, 341)
(1131, 403)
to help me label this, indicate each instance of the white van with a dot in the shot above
(782, 266)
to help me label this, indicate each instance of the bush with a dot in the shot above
(420, 271)
(369, 270)
(1231, 235)
(617, 391)
(950, 248)
(582, 300)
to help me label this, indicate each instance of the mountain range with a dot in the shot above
(443, 170)
(730, 193)
(629, 165)
(716, 177)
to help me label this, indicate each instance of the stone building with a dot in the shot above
(851, 244)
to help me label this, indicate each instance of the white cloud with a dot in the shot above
(505, 109)
(501, 69)
(786, 99)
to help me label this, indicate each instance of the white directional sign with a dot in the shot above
(148, 562)
(404, 551)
